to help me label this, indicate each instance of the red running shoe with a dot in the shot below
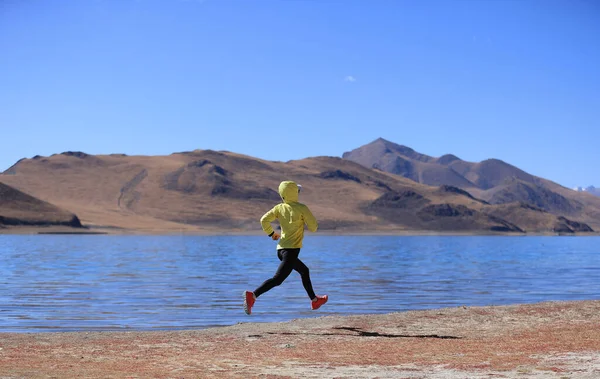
(320, 301)
(248, 302)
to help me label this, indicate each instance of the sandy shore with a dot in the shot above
(547, 340)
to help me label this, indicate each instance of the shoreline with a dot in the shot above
(542, 340)
(52, 230)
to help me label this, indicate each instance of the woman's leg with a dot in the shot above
(305, 275)
(288, 258)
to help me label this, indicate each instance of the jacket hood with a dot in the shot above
(288, 191)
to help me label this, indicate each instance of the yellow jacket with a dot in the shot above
(292, 216)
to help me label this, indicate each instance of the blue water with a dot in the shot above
(67, 283)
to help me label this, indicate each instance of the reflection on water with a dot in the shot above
(65, 283)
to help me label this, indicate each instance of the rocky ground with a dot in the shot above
(547, 340)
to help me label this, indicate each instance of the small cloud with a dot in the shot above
(350, 79)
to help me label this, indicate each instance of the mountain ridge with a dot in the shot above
(212, 191)
(491, 180)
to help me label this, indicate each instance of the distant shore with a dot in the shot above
(545, 340)
(220, 231)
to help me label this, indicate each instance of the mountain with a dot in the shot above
(445, 170)
(218, 191)
(20, 209)
(492, 180)
(591, 189)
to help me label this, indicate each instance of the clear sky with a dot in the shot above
(289, 79)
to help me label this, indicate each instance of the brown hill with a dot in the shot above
(448, 169)
(492, 180)
(212, 191)
(19, 209)
(531, 218)
(404, 161)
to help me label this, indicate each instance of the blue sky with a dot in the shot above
(289, 79)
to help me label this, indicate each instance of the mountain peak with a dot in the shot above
(389, 144)
(447, 159)
(589, 189)
(447, 169)
(383, 146)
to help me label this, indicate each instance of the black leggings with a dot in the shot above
(289, 261)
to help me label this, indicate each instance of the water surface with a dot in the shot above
(103, 282)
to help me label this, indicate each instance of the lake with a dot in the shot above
(104, 282)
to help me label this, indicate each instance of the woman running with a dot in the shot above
(292, 217)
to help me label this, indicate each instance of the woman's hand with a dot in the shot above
(275, 236)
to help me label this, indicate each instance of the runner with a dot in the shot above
(292, 217)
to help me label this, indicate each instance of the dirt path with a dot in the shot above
(547, 340)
